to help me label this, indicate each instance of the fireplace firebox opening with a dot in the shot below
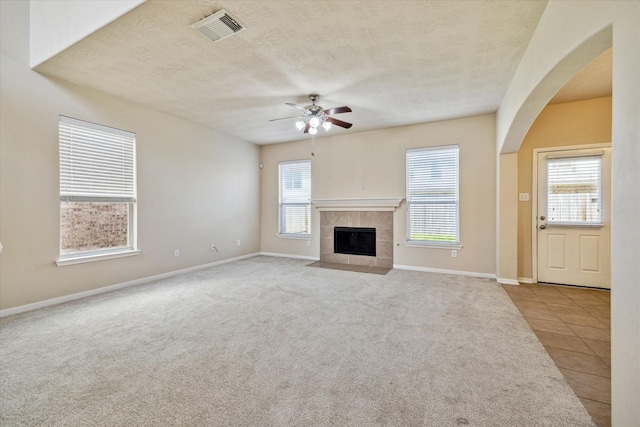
(354, 241)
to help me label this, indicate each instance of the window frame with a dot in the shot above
(281, 218)
(71, 193)
(434, 243)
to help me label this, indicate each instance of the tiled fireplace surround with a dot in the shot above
(381, 220)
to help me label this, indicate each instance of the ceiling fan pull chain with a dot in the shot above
(313, 145)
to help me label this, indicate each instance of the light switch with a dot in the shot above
(524, 197)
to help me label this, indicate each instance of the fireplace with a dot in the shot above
(382, 240)
(354, 241)
(369, 213)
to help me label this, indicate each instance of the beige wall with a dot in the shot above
(506, 220)
(58, 24)
(625, 229)
(372, 164)
(195, 186)
(572, 123)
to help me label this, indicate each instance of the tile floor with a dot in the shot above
(351, 267)
(574, 326)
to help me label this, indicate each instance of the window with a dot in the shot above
(574, 190)
(432, 195)
(97, 191)
(295, 198)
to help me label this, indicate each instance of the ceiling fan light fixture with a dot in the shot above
(300, 125)
(326, 125)
(313, 130)
(314, 122)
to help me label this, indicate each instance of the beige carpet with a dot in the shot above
(267, 341)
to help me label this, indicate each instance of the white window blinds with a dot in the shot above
(295, 197)
(574, 186)
(97, 163)
(432, 195)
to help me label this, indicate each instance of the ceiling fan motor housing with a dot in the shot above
(314, 109)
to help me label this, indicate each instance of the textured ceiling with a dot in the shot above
(593, 81)
(393, 62)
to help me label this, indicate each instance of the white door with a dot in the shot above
(574, 217)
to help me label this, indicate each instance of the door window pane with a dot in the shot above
(574, 190)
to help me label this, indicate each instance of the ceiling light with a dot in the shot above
(314, 122)
(313, 130)
(326, 125)
(300, 124)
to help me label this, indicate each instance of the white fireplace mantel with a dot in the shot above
(371, 204)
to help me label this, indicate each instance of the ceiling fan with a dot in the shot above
(314, 116)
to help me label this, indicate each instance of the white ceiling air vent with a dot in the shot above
(218, 26)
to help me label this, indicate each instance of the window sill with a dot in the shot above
(411, 244)
(79, 259)
(294, 236)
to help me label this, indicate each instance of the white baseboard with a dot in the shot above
(310, 258)
(525, 279)
(84, 294)
(442, 271)
(507, 281)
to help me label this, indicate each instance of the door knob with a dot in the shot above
(542, 217)
(543, 226)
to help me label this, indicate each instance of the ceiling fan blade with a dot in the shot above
(284, 118)
(339, 122)
(297, 106)
(337, 110)
(306, 128)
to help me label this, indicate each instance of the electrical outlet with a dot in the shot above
(176, 253)
(238, 242)
(308, 242)
(454, 253)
